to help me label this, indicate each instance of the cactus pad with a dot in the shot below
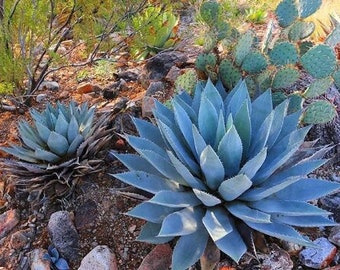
(210, 41)
(318, 87)
(254, 62)
(319, 112)
(336, 77)
(285, 77)
(305, 46)
(334, 37)
(229, 74)
(187, 81)
(278, 98)
(300, 30)
(308, 7)
(243, 47)
(264, 80)
(319, 61)
(223, 30)
(204, 60)
(287, 12)
(209, 12)
(295, 103)
(283, 53)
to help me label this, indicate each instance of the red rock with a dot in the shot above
(86, 87)
(8, 221)
(158, 258)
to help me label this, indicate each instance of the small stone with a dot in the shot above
(158, 258)
(154, 89)
(132, 228)
(173, 74)
(36, 260)
(20, 238)
(332, 204)
(320, 257)
(87, 87)
(334, 236)
(99, 258)
(148, 104)
(49, 85)
(128, 75)
(292, 248)
(41, 97)
(277, 259)
(8, 221)
(64, 235)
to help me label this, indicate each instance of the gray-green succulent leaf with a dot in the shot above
(216, 161)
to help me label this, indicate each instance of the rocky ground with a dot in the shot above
(91, 230)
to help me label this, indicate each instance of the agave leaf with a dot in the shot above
(189, 179)
(149, 131)
(206, 198)
(303, 221)
(85, 121)
(46, 155)
(61, 126)
(43, 131)
(251, 167)
(186, 105)
(183, 222)
(207, 120)
(139, 143)
(316, 189)
(73, 129)
(151, 212)
(21, 153)
(259, 142)
(212, 167)
(220, 88)
(246, 213)
(217, 223)
(236, 97)
(176, 199)
(268, 188)
(30, 134)
(289, 125)
(281, 231)
(145, 181)
(220, 130)
(243, 126)
(179, 147)
(279, 114)
(232, 188)
(287, 208)
(193, 246)
(57, 143)
(230, 151)
(261, 108)
(62, 109)
(197, 97)
(75, 144)
(38, 117)
(61, 264)
(211, 93)
(136, 163)
(164, 114)
(199, 141)
(232, 244)
(149, 234)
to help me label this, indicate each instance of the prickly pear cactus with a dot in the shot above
(336, 77)
(229, 74)
(209, 12)
(186, 82)
(204, 60)
(285, 77)
(319, 61)
(295, 103)
(300, 30)
(319, 112)
(254, 62)
(318, 87)
(308, 7)
(243, 47)
(283, 53)
(287, 12)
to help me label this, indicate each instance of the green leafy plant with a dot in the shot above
(216, 163)
(257, 16)
(274, 63)
(55, 260)
(61, 145)
(155, 30)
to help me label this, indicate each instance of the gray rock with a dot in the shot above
(318, 258)
(49, 85)
(159, 65)
(332, 204)
(8, 221)
(99, 258)
(19, 239)
(278, 259)
(155, 88)
(334, 236)
(36, 260)
(158, 258)
(41, 97)
(64, 235)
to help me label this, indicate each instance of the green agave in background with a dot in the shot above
(60, 145)
(218, 162)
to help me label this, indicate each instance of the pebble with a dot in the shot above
(40, 98)
(36, 260)
(99, 258)
(158, 258)
(318, 258)
(64, 235)
(277, 259)
(334, 235)
(8, 220)
(49, 85)
(87, 87)
(20, 239)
